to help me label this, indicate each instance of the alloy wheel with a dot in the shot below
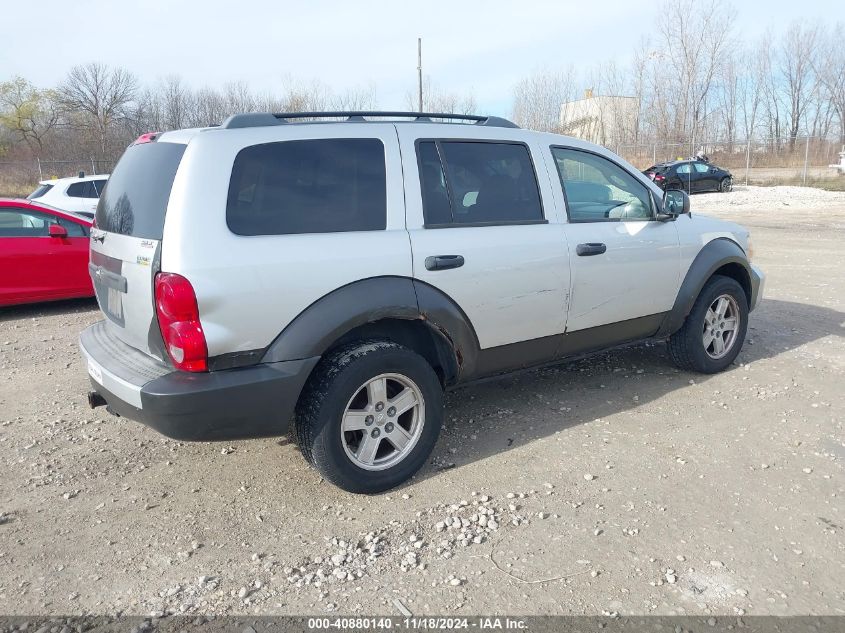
(382, 422)
(721, 326)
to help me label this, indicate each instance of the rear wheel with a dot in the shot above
(715, 328)
(370, 416)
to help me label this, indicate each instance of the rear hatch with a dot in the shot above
(126, 243)
(656, 173)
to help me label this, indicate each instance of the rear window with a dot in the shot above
(307, 186)
(42, 189)
(135, 201)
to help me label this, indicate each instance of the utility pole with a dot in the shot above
(419, 71)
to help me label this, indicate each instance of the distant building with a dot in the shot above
(604, 120)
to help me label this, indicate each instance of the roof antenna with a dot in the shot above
(82, 174)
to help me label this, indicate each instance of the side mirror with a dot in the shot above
(57, 230)
(675, 203)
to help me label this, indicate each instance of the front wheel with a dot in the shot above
(715, 328)
(725, 185)
(370, 416)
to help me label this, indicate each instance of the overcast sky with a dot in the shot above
(481, 46)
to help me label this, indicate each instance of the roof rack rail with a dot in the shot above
(280, 118)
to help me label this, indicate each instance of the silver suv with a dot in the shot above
(341, 270)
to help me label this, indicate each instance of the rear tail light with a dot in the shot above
(659, 177)
(179, 322)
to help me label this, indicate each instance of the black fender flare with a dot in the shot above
(714, 255)
(327, 320)
(445, 315)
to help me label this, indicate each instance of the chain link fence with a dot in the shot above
(20, 177)
(805, 160)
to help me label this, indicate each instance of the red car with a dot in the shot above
(43, 253)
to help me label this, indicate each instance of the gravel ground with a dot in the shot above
(611, 485)
(768, 199)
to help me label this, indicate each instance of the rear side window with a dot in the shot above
(135, 202)
(308, 186)
(79, 190)
(466, 182)
(87, 189)
(42, 189)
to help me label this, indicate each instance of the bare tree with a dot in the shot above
(657, 101)
(237, 97)
(100, 95)
(358, 98)
(727, 97)
(695, 42)
(797, 60)
(298, 96)
(145, 115)
(538, 98)
(749, 86)
(436, 99)
(177, 102)
(770, 85)
(209, 108)
(830, 69)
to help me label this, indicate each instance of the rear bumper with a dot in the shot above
(256, 401)
(758, 284)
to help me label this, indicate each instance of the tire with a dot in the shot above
(355, 388)
(725, 185)
(687, 346)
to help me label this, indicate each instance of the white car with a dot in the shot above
(343, 274)
(77, 195)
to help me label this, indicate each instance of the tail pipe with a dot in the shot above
(96, 400)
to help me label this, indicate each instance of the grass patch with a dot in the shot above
(13, 188)
(828, 184)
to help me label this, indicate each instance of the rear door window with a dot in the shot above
(471, 182)
(135, 202)
(78, 190)
(308, 186)
(87, 189)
